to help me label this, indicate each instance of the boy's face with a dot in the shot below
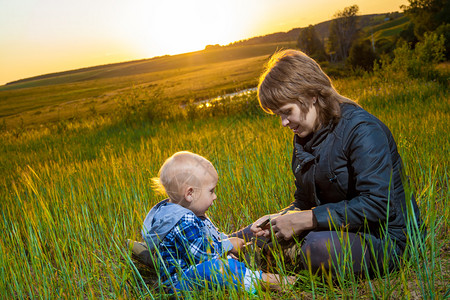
(204, 195)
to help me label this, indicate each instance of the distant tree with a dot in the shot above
(419, 62)
(361, 55)
(383, 46)
(215, 46)
(343, 31)
(407, 34)
(444, 30)
(309, 42)
(427, 15)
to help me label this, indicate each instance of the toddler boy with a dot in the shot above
(189, 249)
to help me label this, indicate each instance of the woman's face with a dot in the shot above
(300, 123)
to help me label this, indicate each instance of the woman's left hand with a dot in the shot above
(288, 225)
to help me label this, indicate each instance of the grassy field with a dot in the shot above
(74, 191)
(389, 29)
(179, 79)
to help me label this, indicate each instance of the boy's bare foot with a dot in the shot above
(276, 282)
(290, 279)
(140, 252)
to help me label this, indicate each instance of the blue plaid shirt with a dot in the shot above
(187, 245)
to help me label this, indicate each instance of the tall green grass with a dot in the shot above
(72, 194)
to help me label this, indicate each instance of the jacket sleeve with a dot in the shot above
(191, 240)
(370, 165)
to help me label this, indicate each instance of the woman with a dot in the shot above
(348, 173)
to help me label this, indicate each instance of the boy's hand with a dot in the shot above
(237, 243)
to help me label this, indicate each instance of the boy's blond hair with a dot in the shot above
(177, 172)
(293, 77)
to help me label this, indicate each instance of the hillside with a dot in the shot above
(322, 30)
(181, 79)
(157, 64)
(209, 55)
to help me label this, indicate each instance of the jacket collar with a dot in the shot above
(304, 147)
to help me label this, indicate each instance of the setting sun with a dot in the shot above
(188, 27)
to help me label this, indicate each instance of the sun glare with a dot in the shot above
(182, 26)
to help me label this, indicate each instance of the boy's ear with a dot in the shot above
(189, 193)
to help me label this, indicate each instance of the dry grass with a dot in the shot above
(179, 86)
(180, 79)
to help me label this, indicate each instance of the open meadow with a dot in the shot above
(179, 79)
(73, 191)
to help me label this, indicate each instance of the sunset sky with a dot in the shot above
(44, 36)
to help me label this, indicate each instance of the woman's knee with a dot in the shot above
(316, 249)
(330, 249)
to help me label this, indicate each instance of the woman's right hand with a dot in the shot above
(260, 231)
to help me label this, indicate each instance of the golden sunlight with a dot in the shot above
(187, 26)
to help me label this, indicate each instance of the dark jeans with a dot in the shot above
(325, 250)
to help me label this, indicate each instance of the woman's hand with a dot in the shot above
(237, 243)
(288, 225)
(259, 230)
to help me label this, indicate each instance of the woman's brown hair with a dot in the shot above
(293, 77)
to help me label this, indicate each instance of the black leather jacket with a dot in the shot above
(351, 173)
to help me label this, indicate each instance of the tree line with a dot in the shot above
(346, 43)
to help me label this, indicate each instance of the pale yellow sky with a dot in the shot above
(44, 36)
